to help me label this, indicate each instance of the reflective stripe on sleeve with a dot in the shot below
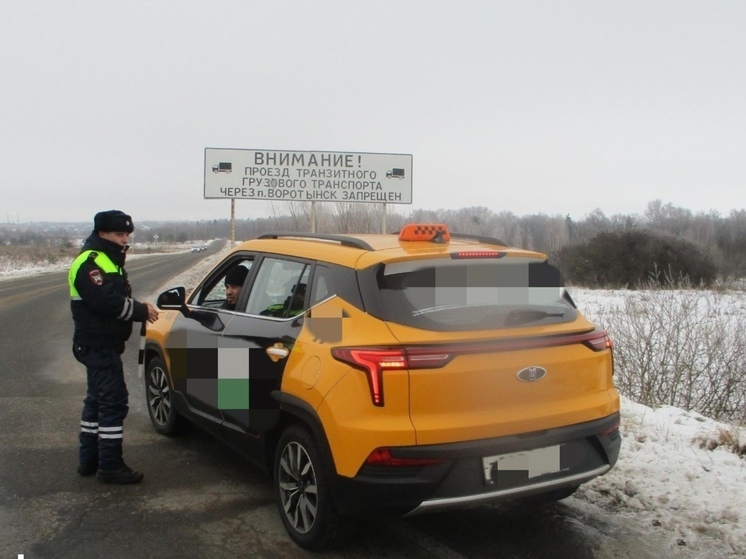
(127, 310)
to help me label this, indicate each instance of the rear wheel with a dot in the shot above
(302, 492)
(158, 395)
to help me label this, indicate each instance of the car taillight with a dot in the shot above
(374, 361)
(382, 457)
(599, 341)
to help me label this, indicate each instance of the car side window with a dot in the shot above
(215, 294)
(279, 288)
(323, 284)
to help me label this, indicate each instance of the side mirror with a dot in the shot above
(173, 300)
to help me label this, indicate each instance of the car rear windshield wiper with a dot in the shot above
(523, 316)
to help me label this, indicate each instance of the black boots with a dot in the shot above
(87, 469)
(123, 476)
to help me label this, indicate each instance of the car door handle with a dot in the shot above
(277, 352)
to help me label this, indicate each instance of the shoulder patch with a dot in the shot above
(96, 277)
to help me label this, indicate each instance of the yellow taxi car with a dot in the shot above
(388, 374)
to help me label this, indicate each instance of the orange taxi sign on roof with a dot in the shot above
(435, 232)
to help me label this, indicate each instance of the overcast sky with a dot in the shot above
(555, 107)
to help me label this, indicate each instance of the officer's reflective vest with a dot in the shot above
(101, 259)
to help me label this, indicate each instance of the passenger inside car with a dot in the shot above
(291, 306)
(294, 303)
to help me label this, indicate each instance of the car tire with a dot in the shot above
(302, 492)
(159, 399)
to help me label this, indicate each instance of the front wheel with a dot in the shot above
(158, 395)
(302, 492)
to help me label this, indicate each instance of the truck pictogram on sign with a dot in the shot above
(222, 168)
(395, 174)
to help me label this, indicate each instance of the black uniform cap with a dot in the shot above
(113, 220)
(236, 275)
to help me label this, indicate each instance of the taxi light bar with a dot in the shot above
(433, 232)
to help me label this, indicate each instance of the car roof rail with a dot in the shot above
(479, 238)
(341, 239)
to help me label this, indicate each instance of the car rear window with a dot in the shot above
(473, 294)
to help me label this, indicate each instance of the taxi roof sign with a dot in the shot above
(433, 232)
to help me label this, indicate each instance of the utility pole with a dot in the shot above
(233, 222)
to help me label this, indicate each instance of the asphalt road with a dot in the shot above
(198, 498)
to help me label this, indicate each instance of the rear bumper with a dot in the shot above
(469, 475)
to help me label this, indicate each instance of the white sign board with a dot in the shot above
(307, 176)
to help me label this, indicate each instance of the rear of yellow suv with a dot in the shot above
(428, 372)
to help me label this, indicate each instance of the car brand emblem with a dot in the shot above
(531, 374)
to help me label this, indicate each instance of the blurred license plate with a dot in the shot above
(535, 463)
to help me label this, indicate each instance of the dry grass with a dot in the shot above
(729, 439)
(22, 256)
(14, 258)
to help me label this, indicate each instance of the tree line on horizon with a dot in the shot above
(598, 250)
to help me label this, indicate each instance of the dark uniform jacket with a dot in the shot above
(105, 310)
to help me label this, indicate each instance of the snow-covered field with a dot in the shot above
(664, 481)
(664, 478)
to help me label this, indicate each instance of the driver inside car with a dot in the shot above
(233, 282)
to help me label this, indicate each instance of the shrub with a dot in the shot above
(680, 347)
(627, 258)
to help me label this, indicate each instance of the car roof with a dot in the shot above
(362, 250)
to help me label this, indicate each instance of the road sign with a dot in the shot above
(307, 176)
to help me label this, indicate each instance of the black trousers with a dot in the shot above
(104, 407)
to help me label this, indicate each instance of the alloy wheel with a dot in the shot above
(298, 487)
(159, 396)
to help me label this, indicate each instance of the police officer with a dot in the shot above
(103, 312)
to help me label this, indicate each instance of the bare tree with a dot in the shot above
(299, 214)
